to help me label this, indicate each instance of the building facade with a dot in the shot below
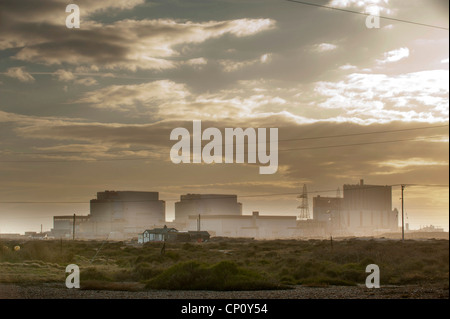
(368, 209)
(125, 212)
(329, 213)
(206, 204)
(63, 226)
(251, 226)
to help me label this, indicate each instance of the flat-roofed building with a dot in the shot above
(252, 226)
(63, 226)
(368, 209)
(328, 212)
(206, 204)
(126, 212)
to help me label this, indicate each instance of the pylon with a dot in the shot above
(304, 207)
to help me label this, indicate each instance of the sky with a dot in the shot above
(88, 109)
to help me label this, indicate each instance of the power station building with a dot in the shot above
(115, 215)
(206, 204)
(126, 212)
(252, 226)
(221, 215)
(364, 210)
(63, 226)
(369, 208)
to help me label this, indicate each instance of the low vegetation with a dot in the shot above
(223, 264)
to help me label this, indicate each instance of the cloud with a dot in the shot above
(265, 58)
(166, 99)
(370, 6)
(68, 76)
(54, 11)
(362, 98)
(417, 161)
(20, 74)
(419, 96)
(232, 66)
(124, 44)
(87, 81)
(64, 75)
(394, 56)
(128, 97)
(324, 47)
(197, 62)
(347, 66)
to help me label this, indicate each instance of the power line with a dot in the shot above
(358, 144)
(220, 197)
(246, 143)
(282, 150)
(368, 14)
(367, 133)
(427, 185)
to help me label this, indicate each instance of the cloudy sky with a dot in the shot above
(91, 109)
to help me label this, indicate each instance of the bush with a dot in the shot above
(145, 271)
(225, 275)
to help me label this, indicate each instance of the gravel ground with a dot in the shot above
(54, 291)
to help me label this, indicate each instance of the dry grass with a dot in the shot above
(280, 262)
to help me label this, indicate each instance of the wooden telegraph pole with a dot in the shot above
(403, 215)
(73, 230)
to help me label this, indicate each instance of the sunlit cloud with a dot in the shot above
(394, 56)
(20, 74)
(412, 162)
(324, 47)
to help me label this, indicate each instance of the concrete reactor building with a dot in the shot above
(126, 212)
(221, 215)
(206, 204)
(364, 210)
(368, 208)
(114, 214)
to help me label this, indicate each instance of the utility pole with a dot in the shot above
(403, 215)
(73, 230)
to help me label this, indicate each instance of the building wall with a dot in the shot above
(367, 197)
(328, 210)
(368, 209)
(206, 204)
(254, 226)
(63, 226)
(126, 211)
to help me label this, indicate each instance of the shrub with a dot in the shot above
(225, 275)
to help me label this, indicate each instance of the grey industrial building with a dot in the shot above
(253, 226)
(114, 214)
(364, 210)
(205, 205)
(126, 212)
